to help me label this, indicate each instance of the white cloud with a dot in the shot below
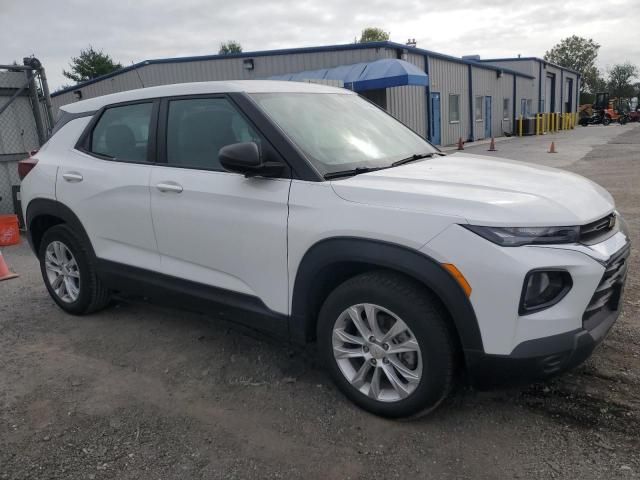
(145, 29)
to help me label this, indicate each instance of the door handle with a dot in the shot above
(72, 177)
(172, 187)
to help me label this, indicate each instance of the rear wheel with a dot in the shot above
(385, 341)
(606, 121)
(69, 273)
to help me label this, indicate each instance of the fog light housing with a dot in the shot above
(543, 289)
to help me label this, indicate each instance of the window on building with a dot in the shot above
(122, 133)
(454, 108)
(198, 128)
(505, 109)
(479, 109)
(526, 107)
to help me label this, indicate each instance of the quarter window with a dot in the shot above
(454, 108)
(479, 108)
(122, 133)
(198, 128)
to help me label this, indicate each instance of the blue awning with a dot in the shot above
(384, 73)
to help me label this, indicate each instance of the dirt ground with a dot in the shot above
(147, 392)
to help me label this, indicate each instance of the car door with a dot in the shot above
(215, 227)
(104, 180)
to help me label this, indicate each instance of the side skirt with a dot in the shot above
(176, 292)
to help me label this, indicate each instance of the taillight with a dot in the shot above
(25, 166)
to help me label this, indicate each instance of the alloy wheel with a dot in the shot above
(62, 272)
(377, 352)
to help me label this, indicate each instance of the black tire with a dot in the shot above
(422, 313)
(93, 296)
(606, 121)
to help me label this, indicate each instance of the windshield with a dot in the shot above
(340, 132)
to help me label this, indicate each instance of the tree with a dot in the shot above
(620, 77)
(90, 64)
(373, 34)
(230, 47)
(580, 54)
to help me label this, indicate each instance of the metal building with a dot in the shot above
(441, 97)
(557, 88)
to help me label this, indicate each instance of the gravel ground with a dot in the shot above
(142, 391)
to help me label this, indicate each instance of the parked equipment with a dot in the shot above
(604, 111)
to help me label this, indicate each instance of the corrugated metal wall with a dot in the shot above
(409, 104)
(487, 83)
(222, 69)
(451, 78)
(526, 89)
(528, 67)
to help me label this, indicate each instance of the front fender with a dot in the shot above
(325, 255)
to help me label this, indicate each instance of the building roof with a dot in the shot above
(197, 88)
(517, 59)
(287, 51)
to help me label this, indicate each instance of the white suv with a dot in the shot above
(308, 211)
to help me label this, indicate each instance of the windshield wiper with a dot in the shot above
(412, 158)
(351, 172)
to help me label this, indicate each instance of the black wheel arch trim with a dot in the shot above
(44, 206)
(340, 250)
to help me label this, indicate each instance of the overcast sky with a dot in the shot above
(130, 31)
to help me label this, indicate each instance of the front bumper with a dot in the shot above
(545, 357)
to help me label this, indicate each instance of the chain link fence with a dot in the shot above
(25, 124)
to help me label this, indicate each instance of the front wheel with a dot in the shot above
(606, 121)
(69, 273)
(385, 341)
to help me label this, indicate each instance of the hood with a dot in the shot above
(482, 190)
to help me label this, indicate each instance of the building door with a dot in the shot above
(550, 90)
(434, 119)
(568, 105)
(487, 117)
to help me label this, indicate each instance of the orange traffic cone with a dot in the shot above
(492, 145)
(5, 273)
(552, 148)
(460, 144)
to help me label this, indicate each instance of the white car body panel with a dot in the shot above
(224, 230)
(496, 276)
(111, 201)
(489, 191)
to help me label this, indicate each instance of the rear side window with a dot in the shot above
(198, 128)
(122, 133)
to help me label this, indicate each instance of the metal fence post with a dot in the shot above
(35, 106)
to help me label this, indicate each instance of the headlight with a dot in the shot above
(517, 236)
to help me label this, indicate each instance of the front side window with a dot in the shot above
(454, 108)
(340, 132)
(505, 109)
(122, 133)
(198, 128)
(479, 108)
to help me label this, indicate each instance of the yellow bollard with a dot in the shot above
(537, 124)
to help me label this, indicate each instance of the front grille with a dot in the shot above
(607, 295)
(599, 230)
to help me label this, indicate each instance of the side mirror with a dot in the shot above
(246, 158)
